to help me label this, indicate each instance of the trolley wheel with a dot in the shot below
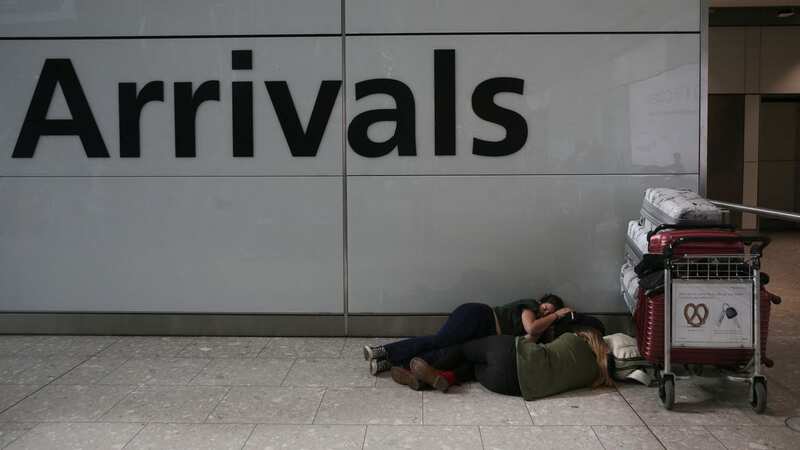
(666, 391)
(758, 399)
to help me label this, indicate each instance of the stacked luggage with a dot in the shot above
(669, 217)
(666, 215)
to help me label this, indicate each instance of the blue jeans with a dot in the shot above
(468, 321)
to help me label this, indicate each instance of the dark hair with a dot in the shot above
(553, 300)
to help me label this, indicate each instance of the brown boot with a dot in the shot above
(401, 375)
(427, 374)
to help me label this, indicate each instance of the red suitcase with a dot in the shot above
(649, 319)
(663, 235)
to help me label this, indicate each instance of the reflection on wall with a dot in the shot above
(659, 106)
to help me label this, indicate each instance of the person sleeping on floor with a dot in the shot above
(514, 365)
(527, 317)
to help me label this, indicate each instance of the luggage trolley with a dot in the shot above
(712, 312)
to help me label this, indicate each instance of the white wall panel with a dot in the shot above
(102, 64)
(167, 17)
(425, 16)
(593, 104)
(427, 244)
(252, 245)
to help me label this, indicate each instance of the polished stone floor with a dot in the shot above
(61, 392)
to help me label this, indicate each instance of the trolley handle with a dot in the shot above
(758, 243)
(667, 226)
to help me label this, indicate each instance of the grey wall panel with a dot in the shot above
(593, 104)
(425, 16)
(167, 17)
(427, 244)
(262, 245)
(302, 62)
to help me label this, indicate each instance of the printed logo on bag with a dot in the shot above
(695, 315)
(303, 139)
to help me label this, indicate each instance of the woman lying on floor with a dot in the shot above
(528, 317)
(516, 365)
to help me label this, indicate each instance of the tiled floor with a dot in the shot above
(257, 393)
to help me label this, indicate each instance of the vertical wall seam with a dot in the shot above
(702, 157)
(345, 276)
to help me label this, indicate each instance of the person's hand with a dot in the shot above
(564, 311)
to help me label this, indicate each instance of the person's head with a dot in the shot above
(549, 304)
(600, 349)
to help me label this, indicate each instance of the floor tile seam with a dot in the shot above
(158, 421)
(281, 424)
(249, 435)
(24, 432)
(557, 426)
(364, 439)
(102, 382)
(753, 425)
(382, 424)
(258, 355)
(299, 356)
(319, 406)
(3, 411)
(286, 375)
(219, 402)
(127, 394)
(199, 371)
(596, 436)
(145, 422)
(79, 421)
(530, 412)
(235, 385)
(143, 426)
(710, 432)
(237, 356)
(641, 419)
(480, 435)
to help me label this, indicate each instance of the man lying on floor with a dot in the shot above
(515, 365)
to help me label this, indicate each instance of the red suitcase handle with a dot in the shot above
(666, 226)
(758, 243)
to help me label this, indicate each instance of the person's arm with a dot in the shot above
(535, 327)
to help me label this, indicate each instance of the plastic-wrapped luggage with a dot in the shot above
(649, 319)
(679, 207)
(629, 284)
(636, 242)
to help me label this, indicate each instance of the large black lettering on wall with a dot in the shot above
(303, 142)
(131, 103)
(242, 107)
(444, 98)
(59, 72)
(186, 105)
(484, 106)
(404, 137)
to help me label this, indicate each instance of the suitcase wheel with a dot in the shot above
(666, 391)
(758, 398)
